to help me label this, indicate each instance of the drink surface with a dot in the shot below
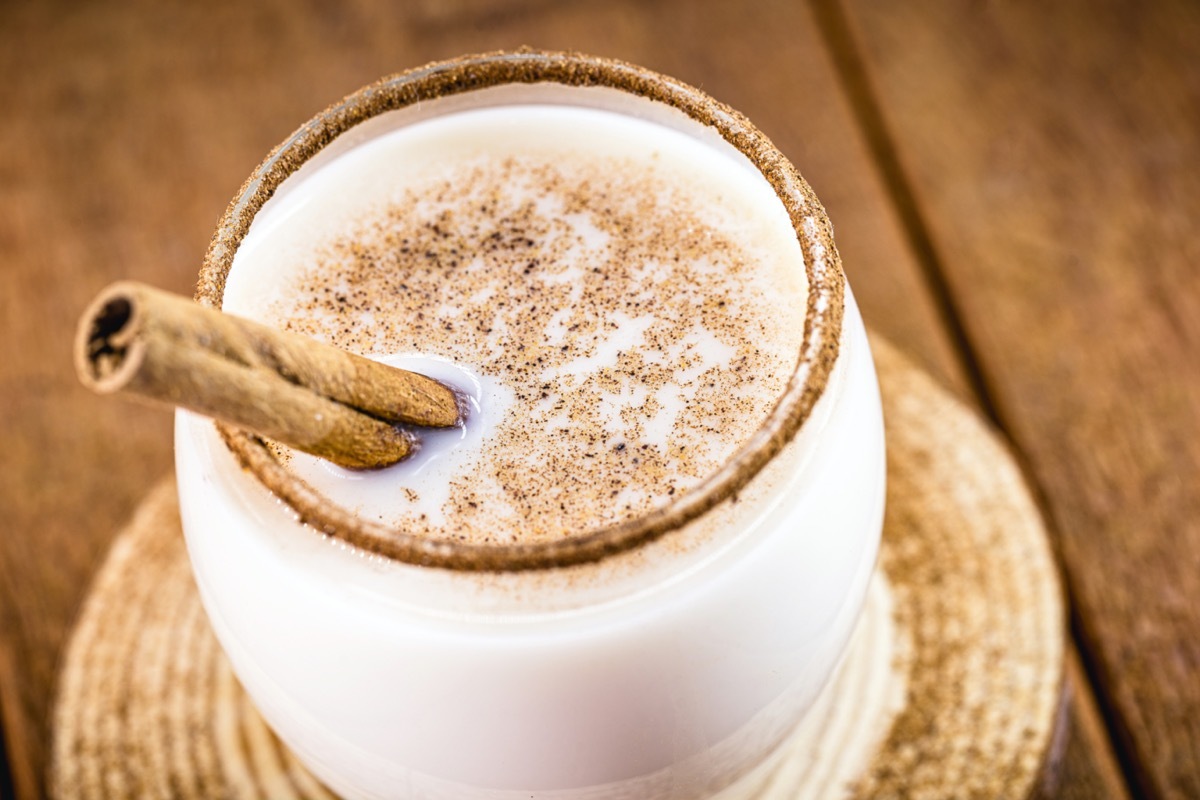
(623, 303)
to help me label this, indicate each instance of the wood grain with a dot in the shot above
(1051, 153)
(137, 121)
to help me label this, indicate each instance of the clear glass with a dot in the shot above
(672, 665)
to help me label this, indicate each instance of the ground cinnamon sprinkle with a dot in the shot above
(642, 340)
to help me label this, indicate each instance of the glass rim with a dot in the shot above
(818, 349)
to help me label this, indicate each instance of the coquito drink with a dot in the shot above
(626, 308)
(626, 303)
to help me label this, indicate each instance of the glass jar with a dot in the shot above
(667, 655)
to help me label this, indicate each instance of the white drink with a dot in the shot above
(624, 299)
(629, 307)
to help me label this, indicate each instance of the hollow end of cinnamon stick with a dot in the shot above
(108, 352)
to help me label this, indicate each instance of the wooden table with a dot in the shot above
(1016, 192)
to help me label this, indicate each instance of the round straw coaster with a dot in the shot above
(949, 689)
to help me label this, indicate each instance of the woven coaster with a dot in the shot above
(949, 690)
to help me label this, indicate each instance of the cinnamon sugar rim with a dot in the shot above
(818, 350)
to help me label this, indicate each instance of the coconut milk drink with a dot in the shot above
(625, 308)
(624, 299)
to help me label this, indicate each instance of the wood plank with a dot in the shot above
(1051, 151)
(138, 121)
(1082, 763)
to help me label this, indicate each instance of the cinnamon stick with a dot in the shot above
(297, 391)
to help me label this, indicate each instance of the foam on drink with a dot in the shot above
(623, 308)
